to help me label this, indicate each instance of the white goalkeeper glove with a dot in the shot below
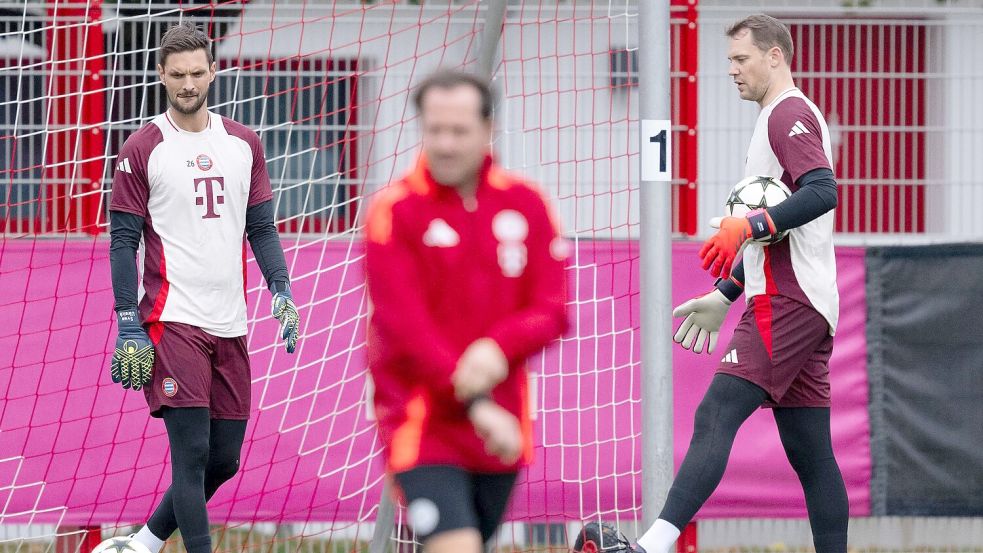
(704, 315)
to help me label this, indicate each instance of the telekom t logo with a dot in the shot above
(211, 196)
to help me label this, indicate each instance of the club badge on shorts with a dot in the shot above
(169, 387)
(511, 229)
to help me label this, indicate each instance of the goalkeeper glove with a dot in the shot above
(285, 311)
(704, 315)
(133, 358)
(720, 250)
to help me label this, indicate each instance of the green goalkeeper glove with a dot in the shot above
(133, 358)
(285, 311)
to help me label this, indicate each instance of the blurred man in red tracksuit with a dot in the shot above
(465, 271)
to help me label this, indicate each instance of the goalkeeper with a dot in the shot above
(192, 185)
(465, 271)
(779, 354)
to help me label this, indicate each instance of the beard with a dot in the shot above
(174, 101)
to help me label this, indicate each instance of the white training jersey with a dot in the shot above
(192, 190)
(790, 139)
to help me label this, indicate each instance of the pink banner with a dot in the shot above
(76, 449)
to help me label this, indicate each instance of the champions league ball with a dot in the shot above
(121, 544)
(757, 192)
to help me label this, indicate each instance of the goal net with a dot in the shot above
(326, 86)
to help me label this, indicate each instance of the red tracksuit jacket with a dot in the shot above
(440, 275)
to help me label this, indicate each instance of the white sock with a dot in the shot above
(148, 539)
(659, 538)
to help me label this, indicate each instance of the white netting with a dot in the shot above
(326, 87)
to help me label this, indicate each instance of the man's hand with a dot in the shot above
(498, 428)
(720, 250)
(704, 315)
(133, 359)
(285, 311)
(481, 367)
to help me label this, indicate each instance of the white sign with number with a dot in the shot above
(656, 150)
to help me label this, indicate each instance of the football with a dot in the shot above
(121, 544)
(757, 192)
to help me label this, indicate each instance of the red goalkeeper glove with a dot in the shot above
(720, 250)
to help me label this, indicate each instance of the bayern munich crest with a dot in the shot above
(169, 386)
(204, 162)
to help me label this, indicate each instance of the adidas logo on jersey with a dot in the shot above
(797, 129)
(124, 166)
(439, 234)
(731, 357)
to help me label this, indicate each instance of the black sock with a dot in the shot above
(204, 454)
(806, 437)
(727, 404)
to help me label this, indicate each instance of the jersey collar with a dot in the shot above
(422, 181)
(208, 127)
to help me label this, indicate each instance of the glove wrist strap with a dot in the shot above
(280, 287)
(761, 224)
(730, 288)
(127, 318)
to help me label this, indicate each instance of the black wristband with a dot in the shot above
(472, 401)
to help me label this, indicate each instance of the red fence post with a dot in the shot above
(74, 165)
(687, 539)
(687, 114)
(77, 539)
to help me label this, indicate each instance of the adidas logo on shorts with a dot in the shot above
(731, 356)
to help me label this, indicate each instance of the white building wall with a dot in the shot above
(559, 122)
(962, 141)
(562, 125)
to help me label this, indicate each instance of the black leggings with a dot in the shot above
(806, 437)
(204, 455)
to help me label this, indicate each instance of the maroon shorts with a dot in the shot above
(783, 346)
(195, 369)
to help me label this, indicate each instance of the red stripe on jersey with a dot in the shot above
(771, 288)
(155, 331)
(762, 316)
(161, 298)
(168, 117)
(244, 269)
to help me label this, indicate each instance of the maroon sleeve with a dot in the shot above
(131, 181)
(544, 317)
(259, 185)
(399, 313)
(796, 138)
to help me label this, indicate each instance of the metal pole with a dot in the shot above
(655, 219)
(491, 32)
(385, 519)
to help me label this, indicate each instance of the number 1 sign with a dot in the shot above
(656, 150)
